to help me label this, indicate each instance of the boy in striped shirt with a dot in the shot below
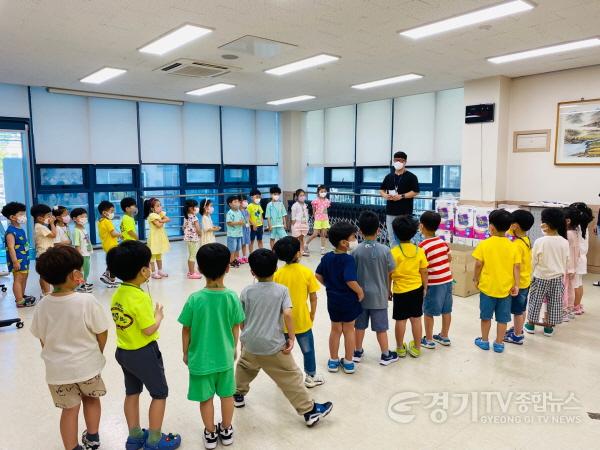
(438, 299)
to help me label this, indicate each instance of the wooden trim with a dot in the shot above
(516, 134)
(558, 105)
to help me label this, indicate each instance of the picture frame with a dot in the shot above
(531, 141)
(577, 133)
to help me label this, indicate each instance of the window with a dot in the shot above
(374, 174)
(160, 175)
(194, 175)
(114, 175)
(61, 176)
(423, 204)
(315, 175)
(348, 198)
(115, 198)
(267, 175)
(451, 177)
(70, 200)
(237, 175)
(424, 174)
(172, 207)
(342, 175)
(374, 197)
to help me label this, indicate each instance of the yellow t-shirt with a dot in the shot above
(127, 225)
(498, 255)
(301, 282)
(255, 214)
(409, 260)
(524, 248)
(132, 311)
(105, 228)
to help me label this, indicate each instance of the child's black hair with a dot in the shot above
(189, 204)
(77, 212)
(523, 218)
(56, 263)
(572, 215)
(585, 216)
(254, 192)
(12, 208)
(263, 262)
(213, 260)
(127, 202)
(368, 223)
(298, 192)
(39, 210)
(148, 205)
(287, 248)
(554, 218)
(231, 199)
(430, 221)
(204, 204)
(405, 227)
(104, 205)
(127, 259)
(58, 211)
(501, 219)
(340, 231)
(275, 190)
(322, 187)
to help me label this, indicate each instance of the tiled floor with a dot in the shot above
(371, 407)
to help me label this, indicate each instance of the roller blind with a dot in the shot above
(414, 127)
(201, 134)
(161, 133)
(113, 131)
(374, 133)
(267, 137)
(239, 135)
(13, 101)
(449, 120)
(313, 137)
(339, 135)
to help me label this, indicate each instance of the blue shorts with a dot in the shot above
(379, 320)
(246, 236)
(490, 306)
(344, 313)
(519, 303)
(256, 234)
(278, 233)
(234, 244)
(438, 300)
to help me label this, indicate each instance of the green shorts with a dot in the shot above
(204, 387)
(321, 225)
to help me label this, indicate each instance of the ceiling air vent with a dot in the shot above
(197, 69)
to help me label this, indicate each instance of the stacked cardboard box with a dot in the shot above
(463, 269)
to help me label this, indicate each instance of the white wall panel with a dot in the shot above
(113, 131)
(267, 137)
(339, 135)
(414, 127)
(374, 133)
(161, 133)
(13, 100)
(201, 134)
(239, 135)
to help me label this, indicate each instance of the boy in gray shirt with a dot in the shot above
(374, 264)
(267, 305)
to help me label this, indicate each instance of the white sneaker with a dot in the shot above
(211, 439)
(315, 380)
(323, 251)
(565, 318)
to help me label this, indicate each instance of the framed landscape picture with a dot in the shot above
(578, 133)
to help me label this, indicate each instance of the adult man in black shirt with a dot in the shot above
(399, 189)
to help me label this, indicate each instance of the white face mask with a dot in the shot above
(257, 201)
(276, 198)
(196, 211)
(352, 245)
(46, 221)
(211, 210)
(322, 194)
(111, 216)
(398, 165)
(22, 219)
(301, 199)
(244, 204)
(82, 221)
(66, 219)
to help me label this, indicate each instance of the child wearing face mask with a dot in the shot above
(321, 218)
(45, 233)
(157, 240)
(300, 219)
(191, 236)
(61, 222)
(245, 231)
(207, 226)
(82, 243)
(255, 212)
(108, 237)
(276, 216)
(128, 225)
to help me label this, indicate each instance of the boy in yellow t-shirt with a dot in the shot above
(302, 284)
(108, 237)
(128, 226)
(409, 285)
(497, 277)
(522, 222)
(255, 213)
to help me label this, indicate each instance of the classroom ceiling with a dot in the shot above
(56, 42)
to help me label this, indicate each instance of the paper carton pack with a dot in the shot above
(446, 208)
(481, 228)
(464, 221)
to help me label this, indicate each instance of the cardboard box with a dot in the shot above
(463, 268)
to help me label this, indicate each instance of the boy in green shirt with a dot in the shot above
(211, 326)
(137, 322)
(128, 226)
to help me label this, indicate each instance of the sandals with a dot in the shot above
(597, 283)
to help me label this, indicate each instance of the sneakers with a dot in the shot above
(358, 355)
(305, 253)
(571, 315)
(194, 276)
(333, 365)
(548, 331)
(413, 350)
(529, 328)
(313, 381)
(26, 302)
(498, 347)
(235, 263)
(513, 338)
(211, 439)
(136, 443)
(347, 366)
(323, 251)
(89, 444)
(167, 441)
(388, 359)
(579, 310)
(156, 275)
(163, 274)
(225, 434)
(108, 282)
(427, 343)
(84, 288)
(565, 317)
(319, 411)
(483, 345)
(238, 401)
(401, 351)
(443, 340)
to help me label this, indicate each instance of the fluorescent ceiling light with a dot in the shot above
(471, 18)
(174, 39)
(302, 64)
(386, 81)
(560, 48)
(103, 75)
(283, 101)
(212, 88)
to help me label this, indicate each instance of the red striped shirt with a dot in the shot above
(437, 251)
